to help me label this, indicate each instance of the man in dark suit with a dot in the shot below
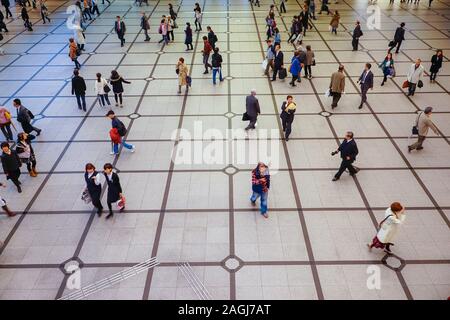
(119, 27)
(24, 116)
(357, 33)
(398, 38)
(252, 109)
(304, 18)
(79, 89)
(366, 82)
(349, 151)
(278, 62)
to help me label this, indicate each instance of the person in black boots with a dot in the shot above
(26, 152)
(11, 165)
(94, 183)
(349, 151)
(5, 207)
(79, 89)
(114, 188)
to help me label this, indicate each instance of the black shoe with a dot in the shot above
(360, 106)
(99, 212)
(109, 216)
(335, 179)
(382, 84)
(356, 169)
(419, 148)
(409, 149)
(206, 72)
(287, 139)
(122, 210)
(38, 132)
(19, 189)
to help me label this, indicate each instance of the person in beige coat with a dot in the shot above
(337, 85)
(334, 23)
(182, 71)
(423, 124)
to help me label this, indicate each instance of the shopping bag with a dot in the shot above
(420, 84)
(405, 84)
(121, 203)
(264, 64)
(328, 93)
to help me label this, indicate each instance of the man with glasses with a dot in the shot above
(349, 151)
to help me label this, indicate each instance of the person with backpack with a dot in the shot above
(121, 130)
(212, 37)
(188, 39)
(394, 216)
(74, 52)
(24, 116)
(5, 123)
(114, 193)
(26, 152)
(216, 63)
(116, 81)
(145, 25)
(79, 89)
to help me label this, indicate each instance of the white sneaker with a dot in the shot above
(133, 149)
(112, 152)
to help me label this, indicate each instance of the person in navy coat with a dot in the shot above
(366, 83)
(349, 151)
(114, 188)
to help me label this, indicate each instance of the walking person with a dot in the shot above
(212, 38)
(295, 69)
(11, 165)
(349, 151)
(294, 30)
(95, 8)
(24, 116)
(394, 216)
(312, 9)
(145, 25)
(278, 63)
(216, 63)
(337, 86)
(122, 131)
(94, 183)
(188, 38)
(173, 15)
(423, 124)
(74, 52)
(163, 31)
(114, 188)
(120, 29)
(260, 187)
(436, 64)
(324, 7)
(252, 109)
(304, 19)
(310, 61)
(79, 89)
(182, 71)
(206, 52)
(87, 9)
(198, 17)
(6, 4)
(5, 123)
(101, 89)
(116, 81)
(26, 152)
(170, 35)
(270, 56)
(5, 208)
(387, 66)
(282, 6)
(399, 36)
(366, 83)
(414, 77)
(44, 11)
(26, 19)
(357, 33)
(2, 22)
(334, 24)
(287, 114)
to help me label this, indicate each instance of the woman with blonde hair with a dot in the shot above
(183, 78)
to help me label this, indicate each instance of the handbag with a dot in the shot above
(382, 221)
(85, 196)
(420, 84)
(245, 117)
(283, 73)
(106, 88)
(314, 62)
(405, 84)
(121, 203)
(391, 72)
(177, 71)
(391, 43)
(189, 81)
(415, 128)
(264, 64)
(328, 93)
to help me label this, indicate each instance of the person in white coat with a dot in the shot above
(415, 74)
(79, 38)
(393, 218)
(100, 85)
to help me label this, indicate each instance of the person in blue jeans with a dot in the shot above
(260, 186)
(216, 62)
(122, 131)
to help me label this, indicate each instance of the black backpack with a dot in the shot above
(121, 128)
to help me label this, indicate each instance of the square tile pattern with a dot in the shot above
(313, 246)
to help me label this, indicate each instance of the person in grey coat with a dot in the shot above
(252, 109)
(423, 124)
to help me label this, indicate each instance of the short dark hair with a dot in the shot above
(428, 110)
(76, 72)
(89, 166)
(181, 59)
(4, 144)
(341, 67)
(402, 24)
(110, 112)
(17, 101)
(118, 17)
(107, 166)
(289, 97)
(20, 136)
(368, 65)
(205, 38)
(216, 49)
(350, 133)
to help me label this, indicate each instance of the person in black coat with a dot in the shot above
(116, 81)
(349, 151)
(398, 38)
(24, 116)
(304, 18)
(357, 33)
(114, 188)
(287, 116)
(11, 165)
(119, 27)
(6, 4)
(26, 19)
(79, 89)
(94, 185)
(212, 38)
(252, 109)
(277, 62)
(366, 82)
(2, 23)
(436, 64)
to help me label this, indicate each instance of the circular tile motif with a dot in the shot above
(134, 116)
(231, 170)
(228, 78)
(325, 114)
(232, 263)
(229, 115)
(150, 79)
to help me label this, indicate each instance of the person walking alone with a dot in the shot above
(288, 109)
(6, 4)
(44, 11)
(337, 85)
(206, 52)
(24, 116)
(387, 66)
(145, 25)
(183, 71)
(79, 89)
(349, 151)
(399, 36)
(394, 216)
(278, 63)
(5, 208)
(120, 29)
(310, 61)
(436, 64)
(260, 187)
(414, 77)
(5, 123)
(216, 63)
(116, 81)
(74, 51)
(357, 33)
(121, 130)
(366, 83)
(252, 109)
(188, 38)
(423, 124)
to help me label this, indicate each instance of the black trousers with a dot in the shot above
(355, 43)
(345, 164)
(252, 123)
(118, 97)
(14, 177)
(6, 129)
(97, 203)
(287, 126)
(275, 71)
(398, 44)
(43, 16)
(364, 94)
(8, 12)
(336, 98)
(198, 25)
(433, 75)
(122, 39)
(308, 71)
(282, 8)
(95, 10)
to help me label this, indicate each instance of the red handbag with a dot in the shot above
(405, 84)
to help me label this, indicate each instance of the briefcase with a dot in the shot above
(245, 117)
(283, 73)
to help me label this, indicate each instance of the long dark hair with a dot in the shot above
(99, 77)
(114, 74)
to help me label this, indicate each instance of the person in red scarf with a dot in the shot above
(260, 186)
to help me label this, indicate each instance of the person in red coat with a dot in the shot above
(116, 139)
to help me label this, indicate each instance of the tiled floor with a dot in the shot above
(313, 244)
